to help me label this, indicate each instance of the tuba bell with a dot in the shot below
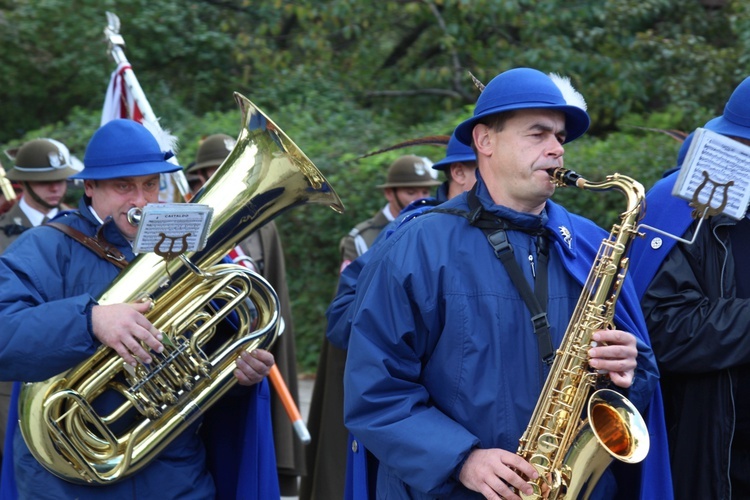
(60, 420)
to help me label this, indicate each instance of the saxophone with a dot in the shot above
(574, 435)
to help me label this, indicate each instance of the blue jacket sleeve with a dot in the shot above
(384, 358)
(46, 325)
(339, 312)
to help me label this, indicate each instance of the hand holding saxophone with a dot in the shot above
(615, 352)
(252, 367)
(124, 328)
(497, 473)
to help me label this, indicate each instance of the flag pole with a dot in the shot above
(239, 257)
(116, 44)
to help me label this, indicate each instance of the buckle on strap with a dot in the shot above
(541, 330)
(540, 322)
(499, 242)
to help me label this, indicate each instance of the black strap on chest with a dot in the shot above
(494, 228)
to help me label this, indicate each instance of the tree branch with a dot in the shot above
(458, 68)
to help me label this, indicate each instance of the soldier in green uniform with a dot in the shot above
(41, 166)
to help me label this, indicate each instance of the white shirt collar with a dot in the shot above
(387, 212)
(35, 216)
(96, 215)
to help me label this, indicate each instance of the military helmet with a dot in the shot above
(213, 150)
(42, 160)
(411, 171)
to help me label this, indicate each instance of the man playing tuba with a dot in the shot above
(49, 279)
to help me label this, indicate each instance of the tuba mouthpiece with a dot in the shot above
(134, 216)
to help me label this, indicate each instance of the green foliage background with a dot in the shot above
(346, 77)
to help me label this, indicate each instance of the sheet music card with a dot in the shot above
(715, 174)
(170, 229)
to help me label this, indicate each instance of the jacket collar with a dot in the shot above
(555, 218)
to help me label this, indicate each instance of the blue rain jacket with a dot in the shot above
(49, 283)
(339, 312)
(442, 357)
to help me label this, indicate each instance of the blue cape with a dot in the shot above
(239, 447)
(667, 213)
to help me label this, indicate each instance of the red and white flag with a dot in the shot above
(238, 256)
(123, 101)
(119, 101)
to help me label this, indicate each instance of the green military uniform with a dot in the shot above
(265, 249)
(326, 417)
(12, 224)
(39, 160)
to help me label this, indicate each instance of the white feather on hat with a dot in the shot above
(571, 95)
(167, 141)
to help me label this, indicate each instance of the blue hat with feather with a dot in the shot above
(124, 148)
(526, 88)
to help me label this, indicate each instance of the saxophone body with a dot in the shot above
(69, 422)
(575, 434)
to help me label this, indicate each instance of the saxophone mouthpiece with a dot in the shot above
(564, 177)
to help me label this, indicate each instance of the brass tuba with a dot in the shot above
(6, 188)
(570, 453)
(264, 175)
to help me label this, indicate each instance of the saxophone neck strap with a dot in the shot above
(494, 228)
(99, 245)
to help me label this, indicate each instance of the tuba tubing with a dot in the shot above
(6, 188)
(263, 176)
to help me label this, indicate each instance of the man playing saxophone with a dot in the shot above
(51, 320)
(446, 360)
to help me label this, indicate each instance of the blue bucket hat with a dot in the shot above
(124, 148)
(524, 88)
(736, 118)
(456, 152)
